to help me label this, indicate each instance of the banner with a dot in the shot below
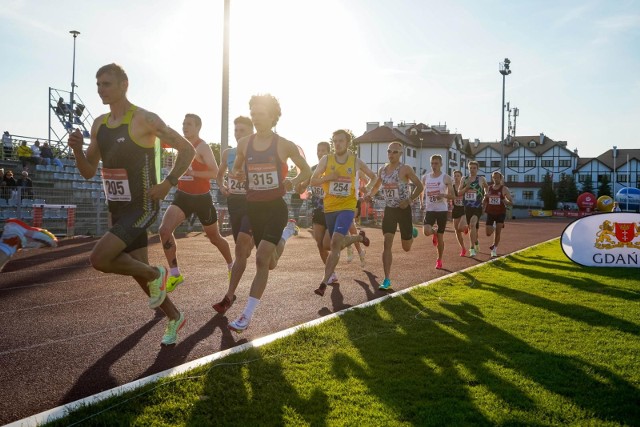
(604, 240)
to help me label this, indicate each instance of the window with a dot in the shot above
(582, 177)
(527, 195)
(622, 178)
(565, 163)
(547, 163)
(512, 178)
(408, 152)
(495, 163)
(530, 163)
(529, 178)
(513, 163)
(453, 156)
(414, 154)
(482, 164)
(601, 177)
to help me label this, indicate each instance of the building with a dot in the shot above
(623, 170)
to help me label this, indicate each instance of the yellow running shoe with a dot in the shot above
(173, 282)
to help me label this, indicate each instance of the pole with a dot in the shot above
(502, 165)
(224, 128)
(615, 154)
(73, 80)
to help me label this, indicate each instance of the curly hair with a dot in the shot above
(269, 101)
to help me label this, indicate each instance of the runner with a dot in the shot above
(236, 193)
(340, 198)
(353, 230)
(495, 202)
(124, 140)
(264, 157)
(394, 178)
(457, 213)
(437, 189)
(17, 235)
(473, 187)
(193, 196)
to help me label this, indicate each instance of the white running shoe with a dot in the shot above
(494, 253)
(332, 279)
(240, 324)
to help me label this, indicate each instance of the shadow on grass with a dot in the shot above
(456, 357)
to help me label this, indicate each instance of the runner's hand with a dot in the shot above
(76, 140)
(160, 191)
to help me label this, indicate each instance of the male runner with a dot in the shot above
(437, 189)
(236, 193)
(337, 175)
(394, 178)
(264, 157)
(457, 213)
(473, 187)
(495, 203)
(124, 139)
(193, 197)
(17, 235)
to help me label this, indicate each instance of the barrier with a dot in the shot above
(38, 215)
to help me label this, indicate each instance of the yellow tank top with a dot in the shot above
(340, 194)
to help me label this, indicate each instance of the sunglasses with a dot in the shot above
(393, 151)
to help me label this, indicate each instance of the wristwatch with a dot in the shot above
(172, 180)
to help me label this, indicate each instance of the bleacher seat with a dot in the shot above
(3, 202)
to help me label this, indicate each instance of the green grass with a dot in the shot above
(529, 340)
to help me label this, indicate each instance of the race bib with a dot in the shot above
(494, 200)
(341, 187)
(458, 201)
(433, 197)
(116, 185)
(317, 192)
(262, 176)
(236, 187)
(391, 192)
(470, 196)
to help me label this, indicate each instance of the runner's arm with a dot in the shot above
(208, 159)
(317, 178)
(87, 163)
(222, 169)
(373, 178)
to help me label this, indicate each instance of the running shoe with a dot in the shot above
(171, 332)
(438, 264)
(472, 252)
(362, 260)
(321, 289)
(28, 235)
(365, 239)
(158, 288)
(466, 230)
(386, 284)
(240, 324)
(173, 282)
(224, 305)
(463, 252)
(332, 279)
(494, 253)
(349, 254)
(296, 230)
(492, 246)
(434, 239)
(414, 232)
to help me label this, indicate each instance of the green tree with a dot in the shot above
(562, 188)
(547, 194)
(572, 189)
(587, 185)
(215, 147)
(604, 189)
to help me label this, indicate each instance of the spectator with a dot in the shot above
(48, 157)
(24, 154)
(62, 108)
(35, 153)
(7, 145)
(26, 186)
(9, 185)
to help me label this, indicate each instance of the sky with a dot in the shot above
(339, 64)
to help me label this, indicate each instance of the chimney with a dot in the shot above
(541, 138)
(389, 124)
(372, 125)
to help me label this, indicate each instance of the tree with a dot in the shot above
(566, 189)
(603, 188)
(547, 194)
(587, 185)
(572, 190)
(215, 147)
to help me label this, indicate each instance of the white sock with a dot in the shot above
(175, 271)
(230, 265)
(286, 233)
(7, 249)
(252, 304)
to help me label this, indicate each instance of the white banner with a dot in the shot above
(604, 240)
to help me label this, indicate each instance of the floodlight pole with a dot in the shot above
(224, 128)
(73, 80)
(505, 71)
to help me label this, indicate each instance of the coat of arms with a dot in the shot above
(617, 235)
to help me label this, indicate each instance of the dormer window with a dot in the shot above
(532, 144)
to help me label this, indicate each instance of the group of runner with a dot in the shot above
(254, 179)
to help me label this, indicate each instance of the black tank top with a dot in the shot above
(128, 169)
(265, 172)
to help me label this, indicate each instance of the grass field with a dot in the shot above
(532, 339)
